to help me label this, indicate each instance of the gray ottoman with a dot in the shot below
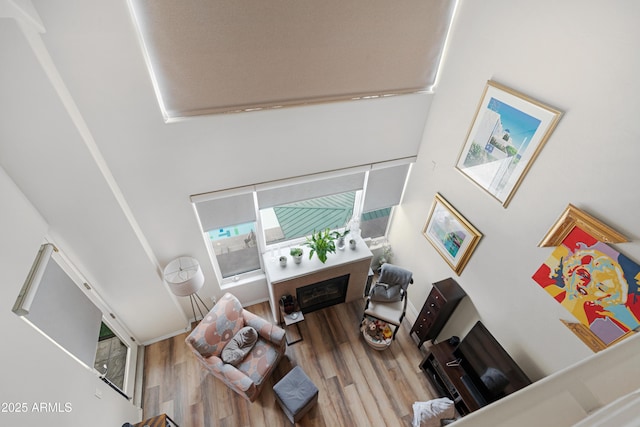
(296, 394)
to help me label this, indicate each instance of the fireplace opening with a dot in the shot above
(322, 294)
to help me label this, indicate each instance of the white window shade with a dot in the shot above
(282, 193)
(62, 311)
(225, 211)
(384, 187)
(219, 56)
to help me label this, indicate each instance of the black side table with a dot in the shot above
(291, 319)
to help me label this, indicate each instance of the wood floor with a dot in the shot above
(358, 386)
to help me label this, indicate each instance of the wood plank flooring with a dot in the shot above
(358, 386)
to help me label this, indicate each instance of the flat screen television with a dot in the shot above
(490, 372)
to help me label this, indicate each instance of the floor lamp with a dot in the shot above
(185, 279)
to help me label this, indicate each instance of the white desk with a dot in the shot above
(285, 280)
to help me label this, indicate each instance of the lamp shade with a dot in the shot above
(184, 276)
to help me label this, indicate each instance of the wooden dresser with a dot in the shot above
(442, 300)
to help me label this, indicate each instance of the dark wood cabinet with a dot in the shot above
(442, 300)
(474, 372)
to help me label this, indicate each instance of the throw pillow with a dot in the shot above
(386, 293)
(239, 346)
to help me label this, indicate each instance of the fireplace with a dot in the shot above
(322, 294)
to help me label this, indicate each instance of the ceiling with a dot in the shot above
(220, 56)
(83, 137)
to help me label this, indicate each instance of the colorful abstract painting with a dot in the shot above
(595, 283)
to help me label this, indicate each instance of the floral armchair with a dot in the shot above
(216, 330)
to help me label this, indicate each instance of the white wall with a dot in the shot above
(50, 153)
(34, 370)
(580, 57)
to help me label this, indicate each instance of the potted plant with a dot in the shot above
(321, 243)
(296, 253)
(339, 237)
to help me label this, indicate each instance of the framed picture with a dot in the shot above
(598, 285)
(589, 338)
(508, 131)
(574, 217)
(451, 234)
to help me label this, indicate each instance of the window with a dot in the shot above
(299, 219)
(236, 249)
(385, 185)
(111, 357)
(71, 315)
(374, 224)
(241, 223)
(228, 220)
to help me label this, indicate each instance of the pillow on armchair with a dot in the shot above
(239, 346)
(386, 293)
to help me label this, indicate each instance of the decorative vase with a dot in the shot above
(283, 261)
(352, 244)
(340, 243)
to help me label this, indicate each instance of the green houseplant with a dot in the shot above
(321, 243)
(296, 253)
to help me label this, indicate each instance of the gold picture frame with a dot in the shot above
(582, 257)
(451, 234)
(574, 217)
(508, 131)
(590, 339)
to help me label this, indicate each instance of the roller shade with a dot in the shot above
(294, 191)
(63, 312)
(384, 187)
(225, 209)
(219, 56)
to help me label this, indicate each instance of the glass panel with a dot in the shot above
(111, 357)
(299, 219)
(236, 249)
(374, 224)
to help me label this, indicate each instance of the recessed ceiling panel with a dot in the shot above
(212, 56)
